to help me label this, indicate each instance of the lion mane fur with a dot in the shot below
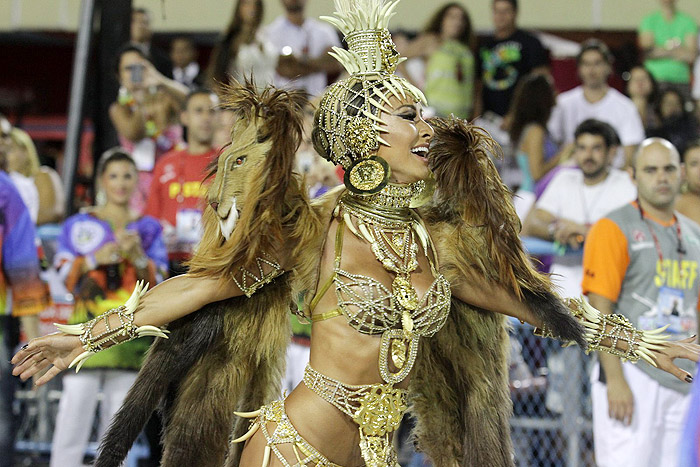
(474, 220)
(276, 208)
(459, 391)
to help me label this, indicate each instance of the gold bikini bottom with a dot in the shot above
(376, 408)
(284, 433)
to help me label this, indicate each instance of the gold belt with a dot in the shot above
(376, 408)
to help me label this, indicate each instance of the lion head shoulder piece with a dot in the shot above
(347, 127)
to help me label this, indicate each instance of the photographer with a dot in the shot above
(145, 114)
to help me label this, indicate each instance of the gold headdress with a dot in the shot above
(347, 127)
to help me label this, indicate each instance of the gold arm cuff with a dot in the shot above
(250, 282)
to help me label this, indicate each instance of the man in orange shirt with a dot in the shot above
(641, 261)
(176, 194)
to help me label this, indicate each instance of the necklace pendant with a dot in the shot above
(398, 353)
(398, 240)
(404, 293)
(407, 324)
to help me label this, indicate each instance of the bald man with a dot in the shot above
(641, 261)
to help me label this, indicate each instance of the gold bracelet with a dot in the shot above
(124, 332)
(616, 328)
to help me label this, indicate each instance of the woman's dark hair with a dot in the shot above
(513, 3)
(533, 101)
(227, 48)
(651, 98)
(664, 93)
(466, 37)
(129, 48)
(110, 156)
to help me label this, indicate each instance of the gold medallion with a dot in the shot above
(368, 175)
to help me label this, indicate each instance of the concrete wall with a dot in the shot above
(213, 15)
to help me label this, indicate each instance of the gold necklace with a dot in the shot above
(386, 221)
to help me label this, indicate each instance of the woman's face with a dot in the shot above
(639, 84)
(248, 10)
(452, 23)
(16, 158)
(119, 182)
(128, 64)
(409, 136)
(692, 169)
(671, 105)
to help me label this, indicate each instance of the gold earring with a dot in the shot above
(367, 176)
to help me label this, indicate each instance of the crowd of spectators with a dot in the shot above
(572, 154)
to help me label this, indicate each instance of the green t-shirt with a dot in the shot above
(449, 80)
(665, 34)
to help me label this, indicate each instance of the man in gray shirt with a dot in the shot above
(641, 261)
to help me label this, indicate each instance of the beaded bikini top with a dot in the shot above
(397, 314)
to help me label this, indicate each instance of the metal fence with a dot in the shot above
(36, 410)
(551, 424)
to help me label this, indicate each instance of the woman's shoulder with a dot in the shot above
(146, 221)
(534, 129)
(532, 132)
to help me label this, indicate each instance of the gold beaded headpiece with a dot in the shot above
(347, 127)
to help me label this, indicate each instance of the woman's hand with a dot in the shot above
(57, 349)
(151, 76)
(107, 254)
(685, 348)
(620, 400)
(129, 245)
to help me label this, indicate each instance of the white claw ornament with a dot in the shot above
(113, 335)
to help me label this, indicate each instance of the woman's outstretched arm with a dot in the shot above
(479, 292)
(611, 336)
(167, 302)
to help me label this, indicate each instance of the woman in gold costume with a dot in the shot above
(406, 288)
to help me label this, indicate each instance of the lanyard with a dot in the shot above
(680, 249)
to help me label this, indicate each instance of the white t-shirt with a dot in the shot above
(311, 39)
(567, 197)
(259, 59)
(615, 109)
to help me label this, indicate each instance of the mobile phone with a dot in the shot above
(136, 73)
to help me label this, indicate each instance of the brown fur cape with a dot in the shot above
(228, 355)
(459, 389)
